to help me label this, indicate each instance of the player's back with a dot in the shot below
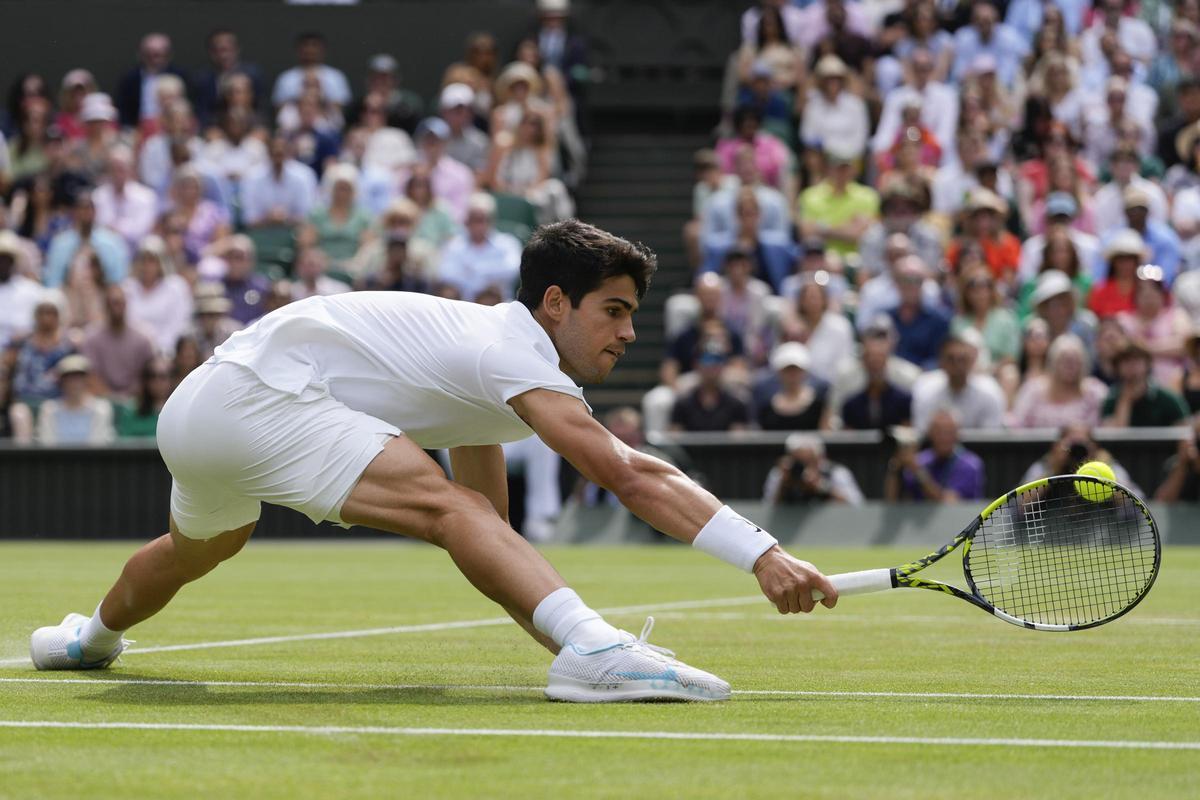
(440, 370)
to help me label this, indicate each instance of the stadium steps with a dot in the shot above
(639, 186)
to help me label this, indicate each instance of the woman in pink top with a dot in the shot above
(1066, 393)
(206, 221)
(771, 156)
(1158, 326)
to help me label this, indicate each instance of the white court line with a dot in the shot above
(432, 626)
(585, 734)
(526, 689)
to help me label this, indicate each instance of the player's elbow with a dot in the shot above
(640, 480)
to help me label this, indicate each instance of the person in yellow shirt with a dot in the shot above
(838, 209)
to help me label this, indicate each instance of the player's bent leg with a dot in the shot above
(149, 580)
(405, 491)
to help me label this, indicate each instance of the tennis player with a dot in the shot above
(326, 405)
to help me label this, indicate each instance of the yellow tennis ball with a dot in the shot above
(1095, 492)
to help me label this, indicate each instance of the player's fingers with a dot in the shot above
(793, 601)
(780, 602)
(826, 588)
(804, 598)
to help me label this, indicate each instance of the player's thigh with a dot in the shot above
(405, 491)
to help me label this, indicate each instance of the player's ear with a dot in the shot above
(555, 303)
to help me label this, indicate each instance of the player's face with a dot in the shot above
(593, 336)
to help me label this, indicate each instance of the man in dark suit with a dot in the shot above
(136, 98)
(225, 58)
(563, 48)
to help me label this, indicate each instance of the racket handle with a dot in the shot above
(869, 580)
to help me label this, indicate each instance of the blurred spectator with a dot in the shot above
(519, 89)
(387, 148)
(838, 209)
(975, 397)
(396, 274)
(1066, 393)
(819, 263)
(19, 295)
(84, 291)
(522, 164)
(827, 334)
(981, 307)
(945, 472)
(760, 92)
(1171, 65)
(562, 47)
(920, 329)
(1111, 339)
(1109, 200)
(1136, 400)
(137, 93)
(281, 194)
(1105, 122)
(467, 144)
(451, 181)
(771, 257)
(881, 293)
(98, 115)
(311, 280)
(77, 416)
(986, 35)
(833, 114)
(122, 204)
(685, 347)
(176, 132)
(188, 356)
(1157, 325)
(798, 404)
(720, 225)
(76, 85)
(1060, 211)
(709, 406)
(881, 402)
(310, 57)
(1181, 481)
(158, 301)
(1163, 244)
(936, 102)
(33, 377)
(482, 256)
(1123, 253)
(246, 289)
(203, 220)
(37, 213)
(744, 299)
(435, 225)
(1177, 135)
(1133, 35)
(399, 219)
(1075, 447)
(771, 156)
(984, 229)
(804, 475)
(338, 225)
(901, 207)
(1054, 301)
(85, 233)
(1031, 363)
(477, 70)
(140, 416)
(923, 32)
(316, 144)
(27, 150)
(236, 148)
(838, 28)
(213, 324)
(117, 351)
(224, 62)
(788, 20)
(403, 107)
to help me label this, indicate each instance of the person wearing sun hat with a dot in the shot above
(1054, 300)
(984, 227)
(1123, 253)
(76, 416)
(1161, 241)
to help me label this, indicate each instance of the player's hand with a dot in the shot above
(789, 582)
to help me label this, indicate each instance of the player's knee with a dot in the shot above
(459, 513)
(193, 560)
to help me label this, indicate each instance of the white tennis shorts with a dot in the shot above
(231, 443)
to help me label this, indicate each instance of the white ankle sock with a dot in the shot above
(564, 618)
(96, 640)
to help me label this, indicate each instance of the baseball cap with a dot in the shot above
(433, 126)
(1061, 204)
(880, 325)
(1050, 283)
(790, 354)
(457, 94)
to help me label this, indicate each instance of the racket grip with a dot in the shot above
(868, 580)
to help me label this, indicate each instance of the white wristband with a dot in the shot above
(734, 539)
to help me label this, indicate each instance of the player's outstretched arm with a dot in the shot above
(669, 500)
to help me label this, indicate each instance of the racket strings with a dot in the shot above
(1050, 556)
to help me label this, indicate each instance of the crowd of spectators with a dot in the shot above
(144, 222)
(945, 216)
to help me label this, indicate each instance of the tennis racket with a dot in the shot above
(1058, 554)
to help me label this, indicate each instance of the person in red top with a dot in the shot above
(984, 227)
(1124, 252)
(1035, 173)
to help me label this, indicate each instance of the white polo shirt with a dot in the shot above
(440, 370)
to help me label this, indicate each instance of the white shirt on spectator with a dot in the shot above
(718, 224)
(828, 344)
(939, 113)
(131, 213)
(841, 481)
(1133, 35)
(843, 121)
(472, 267)
(388, 149)
(979, 405)
(1108, 204)
(325, 286)
(1185, 208)
(164, 310)
(953, 183)
(880, 294)
(294, 190)
(18, 297)
(235, 161)
(852, 379)
(290, 84)
(155, 165)
(1086, 246)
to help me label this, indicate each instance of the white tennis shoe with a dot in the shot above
(629, 670)
(57, 646)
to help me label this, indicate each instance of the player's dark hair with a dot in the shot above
(578, 257)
